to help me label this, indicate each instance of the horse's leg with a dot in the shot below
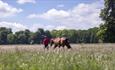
(46, 46)
(55, 46)
(51, 43)
(60, 45)
(63, 46)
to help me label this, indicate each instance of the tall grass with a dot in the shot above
(84, 59)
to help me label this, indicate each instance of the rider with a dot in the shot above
(46, 41)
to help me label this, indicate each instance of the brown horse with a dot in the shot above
(60, 42)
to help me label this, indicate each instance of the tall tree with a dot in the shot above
(23, 37)
(11, 38)
(38, 36)
(3, 34)
(107, 30)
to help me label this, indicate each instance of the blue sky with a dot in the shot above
(50, 14)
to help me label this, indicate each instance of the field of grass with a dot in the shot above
(80, 57)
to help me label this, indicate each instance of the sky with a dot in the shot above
(50, 14)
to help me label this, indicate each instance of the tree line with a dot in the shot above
(28, 37)
(104, 33)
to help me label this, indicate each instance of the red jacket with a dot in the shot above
(46, 41)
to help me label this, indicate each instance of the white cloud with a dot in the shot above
(18, 26)
(7, 10)
(15, 26)
(33, 16)
(60, 27)
(82, 16)
(51, 14)
(34, 27)
(26, 1)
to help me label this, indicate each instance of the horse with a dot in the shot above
(60, 42)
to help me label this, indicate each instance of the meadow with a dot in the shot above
(80, 57)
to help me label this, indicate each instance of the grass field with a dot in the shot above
(80, 57)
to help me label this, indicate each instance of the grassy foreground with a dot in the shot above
(81, 59)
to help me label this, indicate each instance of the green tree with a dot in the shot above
(11, 38)
(48, 34)
(3, 34)
(38, 36)
(27, 34)
(23, 37)
(107, 30)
